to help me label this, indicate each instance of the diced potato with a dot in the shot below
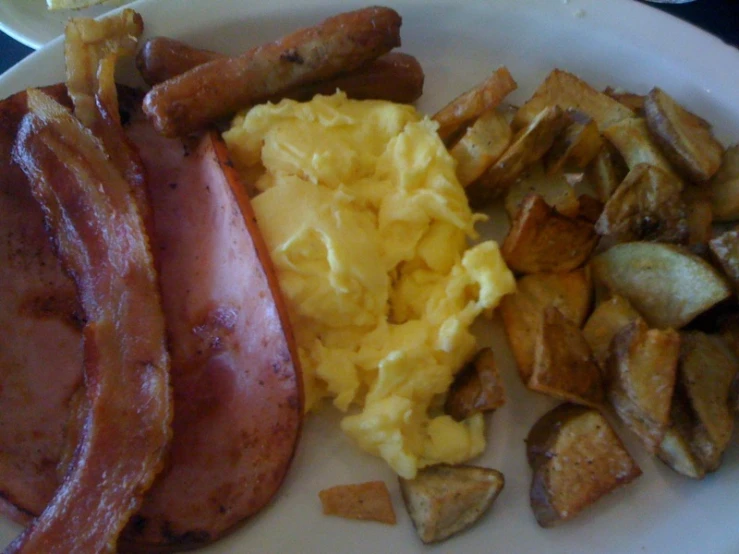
(564, 366)
(724, 187)
(605, 322)
(633, 101)
(577, 458)
(647, 205)
(605, 172)
(467, 107)
(632, 139)
(553, 188)
(568, 91)
(478, 387)
(576, 146)
(642, 369)
(665, 283)
(523, 311)
(445, 500)
(699, 216)
(542, 240)
(675, 449)
(366, 501)
(481, 146)
(685, 138)
(725, 249)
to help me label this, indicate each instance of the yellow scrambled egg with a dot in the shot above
(368, 228)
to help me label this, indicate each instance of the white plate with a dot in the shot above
(618, 42)
(30, 22)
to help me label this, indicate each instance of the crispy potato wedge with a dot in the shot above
(676, 450)
(605, 172)
(632, 139)
(523, 311)
(366, 501)
(647, 205)
(467, 107)
(724, 187)
(665, 283)
(576, 146)
(542, 240)
(564, 366)
(478, 387)
(685, 138)
(633, 101)
(553, 188)
(608, 318)
(481, 145)
(725, 250)
(641, 373)
(707, 371)
(444, 500)
(527, 147)
(576, 458)
(568, 91)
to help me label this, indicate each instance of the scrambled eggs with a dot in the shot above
(367, 226)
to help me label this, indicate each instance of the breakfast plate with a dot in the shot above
(619, 43)
(30, 22)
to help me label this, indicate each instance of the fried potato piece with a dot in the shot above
(55, 5)
(589, 208)
(641, 373)
(675, 450)
(707, 371)
(605, 172)
(553, 188)
(467, 107)
(725, 250)
(478, 387)
(366, 501)
(568, 91)
(665, 283)
(699, 214)
(221, 87)
(724, 187)
(647, 205)
(542, 240)
(481, 145)
(576, 146)
(523, 311)
(444, 500)
(576, 458)
(632, 139)
(685, 138)
(608, 318)
(564, 366)
(528, 146)
(633, 101)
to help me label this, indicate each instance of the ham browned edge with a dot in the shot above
(100, 238)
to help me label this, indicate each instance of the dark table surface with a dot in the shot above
(719, 17)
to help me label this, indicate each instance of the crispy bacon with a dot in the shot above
(100, 238)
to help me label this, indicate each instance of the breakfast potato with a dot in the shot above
(364, 501)
(528, 146)
(641, 372)
(542, 240)
(564, 366)
(633, 101)
(724, 187)
(665, 283)
(553, 188)
(725, 250)
(444, 500)
(685, 138)
(523, 311)
(605, 172)
(699, 214)
(576, 146)
(647, 205)
(633, 141)
(576, 458)
(478, 387)
(676, 450)
(608, 318)
(467, 107)
(589, 208)
(707, 372)
(481, 145)
(567, 91)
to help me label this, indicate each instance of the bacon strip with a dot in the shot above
(221, 87)
(100, 238)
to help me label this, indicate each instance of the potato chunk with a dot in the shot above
(366, 501)
(478, 387)
(724, 187)
(481, 145)
(604, 323)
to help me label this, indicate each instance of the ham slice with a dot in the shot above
(237, 386)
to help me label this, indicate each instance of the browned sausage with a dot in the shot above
(223, 86)
(162, 58)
